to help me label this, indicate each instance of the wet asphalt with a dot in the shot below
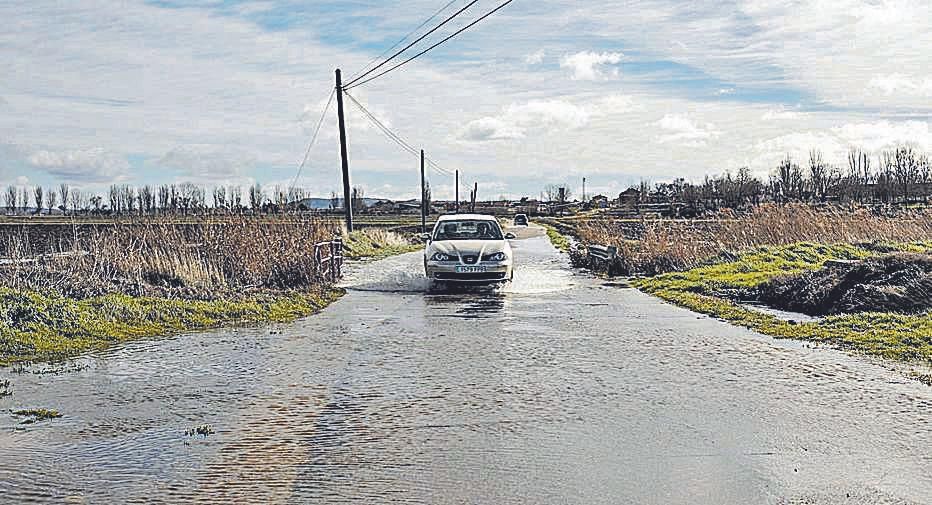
(559, 388)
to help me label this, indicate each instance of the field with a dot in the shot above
(658, 246)
(718, 266)
(67, 288)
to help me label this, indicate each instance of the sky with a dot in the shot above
(228, 92)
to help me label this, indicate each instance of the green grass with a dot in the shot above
(36, 415)
(40, 327)
(376, 244)
(896, 336)
(556, 238)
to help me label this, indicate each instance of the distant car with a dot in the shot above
(521, 220)
(468, 248)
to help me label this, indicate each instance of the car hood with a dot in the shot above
(469, 247)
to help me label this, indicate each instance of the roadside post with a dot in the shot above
(344, 158)
(423, 197)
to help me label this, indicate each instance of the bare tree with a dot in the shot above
(255, 197)
(24, 199)
(905, 170)
(52, 200)
(11, 199)
(925, 177)
(64, 190)
(39, 198)
(146, 199)
(859, 173)
(818, 175)
(358, 199)
(76, 200)
(236, 198)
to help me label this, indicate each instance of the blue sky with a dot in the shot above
(228, 92)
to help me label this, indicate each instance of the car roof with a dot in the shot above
(457, 217)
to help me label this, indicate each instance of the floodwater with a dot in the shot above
(556, 389)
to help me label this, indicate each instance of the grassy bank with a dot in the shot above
(560, 241)
(39, 327)
(372, 244)
(155, 277)
(662, 246)
(710, 289)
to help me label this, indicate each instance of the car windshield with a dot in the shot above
(468, 230)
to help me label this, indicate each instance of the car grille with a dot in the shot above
(470, 260)
(478, 276)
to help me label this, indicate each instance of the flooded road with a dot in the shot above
(556, 389)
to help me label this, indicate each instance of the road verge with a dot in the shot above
(719, 288)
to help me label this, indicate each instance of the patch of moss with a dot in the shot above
(558, 240)
(36, 415)
(895, 336)
(40, 327)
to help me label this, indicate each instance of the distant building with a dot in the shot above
(629, 198)
(599, 202)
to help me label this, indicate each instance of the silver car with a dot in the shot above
(468, 248)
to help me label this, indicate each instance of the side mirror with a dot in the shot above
(425, 237)
(510, 236)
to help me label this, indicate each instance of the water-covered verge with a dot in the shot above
(46, 326)
(716, 289)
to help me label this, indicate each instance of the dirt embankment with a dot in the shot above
(894, 283)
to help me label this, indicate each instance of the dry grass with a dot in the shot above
(665, 246)
(156, 257)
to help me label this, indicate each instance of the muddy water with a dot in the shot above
(556, 389)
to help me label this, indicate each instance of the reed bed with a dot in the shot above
(673, 245)
(160, 258)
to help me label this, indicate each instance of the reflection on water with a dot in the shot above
(468, 305)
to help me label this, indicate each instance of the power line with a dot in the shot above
(313, 140)
(422, 37)
(412, 32)
(454, 34)
(397, 138)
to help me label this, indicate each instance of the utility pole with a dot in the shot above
(457, 191)
(475, 196)
(344, 158)
(423, 197)
(584, 190)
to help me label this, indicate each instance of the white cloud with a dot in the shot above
(725, 91)
(89, 165)
(535, 58)
(901, 84)
(684, 129)
(543, 117)
(780, 114)
(587, 66)
(490, 128)
(222, 164)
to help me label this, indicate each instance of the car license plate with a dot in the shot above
(470, 270)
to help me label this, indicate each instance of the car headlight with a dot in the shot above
(440, 257)
(499, 256)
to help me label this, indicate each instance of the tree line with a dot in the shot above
(899, 176)
(167, 199)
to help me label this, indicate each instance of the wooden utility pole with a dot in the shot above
(344, 158)
(475, 196)
(423, 197)
(457, 191)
